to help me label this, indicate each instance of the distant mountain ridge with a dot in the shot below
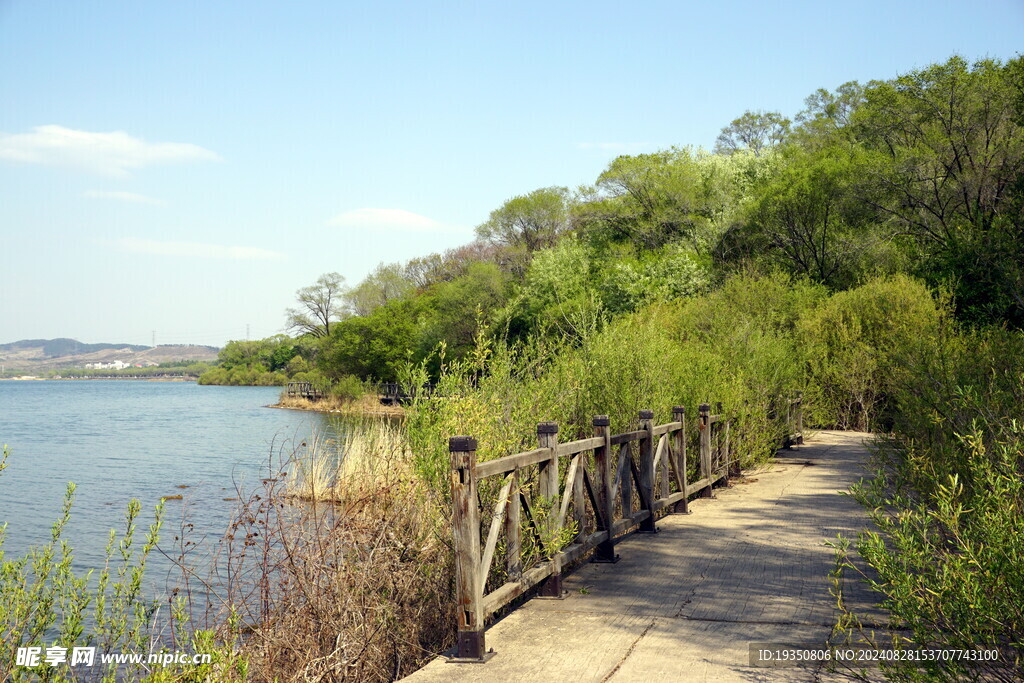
(46, 354)
(55, 348)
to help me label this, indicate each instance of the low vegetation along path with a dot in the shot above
(750, 565)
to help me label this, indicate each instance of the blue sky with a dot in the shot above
(184, 167)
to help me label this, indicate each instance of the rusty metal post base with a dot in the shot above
(471, 649)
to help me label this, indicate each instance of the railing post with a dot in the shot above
(663, 470)
(579, 509)
(547, 437)
(721, 456)
(800, 417)
(734, 463)
(704, 425)
(679, 462)
(647, 471)
(513, 516)
(605, 551)
(626, 479)
(466, 537)
(787, 440)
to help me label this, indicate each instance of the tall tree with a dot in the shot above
(527, 223)
(948, 170)
(650, 200)
(320, 304)
(385, 284)
(809, 219)
(755, 131)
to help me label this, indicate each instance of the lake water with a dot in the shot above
(119, 440)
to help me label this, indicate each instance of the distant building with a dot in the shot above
(113, 365)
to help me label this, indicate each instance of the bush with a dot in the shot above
(947, 558)
(855, 344)
(655, 358)
(349, 388)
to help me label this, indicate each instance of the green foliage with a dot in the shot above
(827, 114)
(528, 223)
(454, 308)
(651, 200)
(541, 535)
(809, 220)
(375, 345)
(349, 388)
(673, 272)
(716, 348)
(947, 552)
(755, 132)
(264, 362)
(252, 376)
(386, 284)
(946, 150)
(558, 294)
(856, 344)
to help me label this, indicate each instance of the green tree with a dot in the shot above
(527, 223)
(385, 284)
(828, 113)
(755, 131)
(947, 146)
(320, 305)
(650, 200)
(809, 220)
(375, 346)
(558, 293)
(456, 307)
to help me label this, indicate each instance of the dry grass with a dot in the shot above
(359, 465)
(368, 405)
(339, 567)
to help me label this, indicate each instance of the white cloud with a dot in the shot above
(390, 219)
(130, 197)
(114, 153)
(613, 146)
(195, 250)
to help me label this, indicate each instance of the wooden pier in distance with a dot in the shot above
(304, 390)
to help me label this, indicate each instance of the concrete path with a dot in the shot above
(684, 604)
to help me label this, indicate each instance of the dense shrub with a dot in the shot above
(947, 558)
(855, 345)
(716, 349)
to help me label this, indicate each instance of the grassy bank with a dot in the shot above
(366, 405)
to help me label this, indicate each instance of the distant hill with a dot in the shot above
(34, 355)
(55, 348)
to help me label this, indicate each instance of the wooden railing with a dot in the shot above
(305, 390)
(395, 393)
(593, 502)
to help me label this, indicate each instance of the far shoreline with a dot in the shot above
(94, 379)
